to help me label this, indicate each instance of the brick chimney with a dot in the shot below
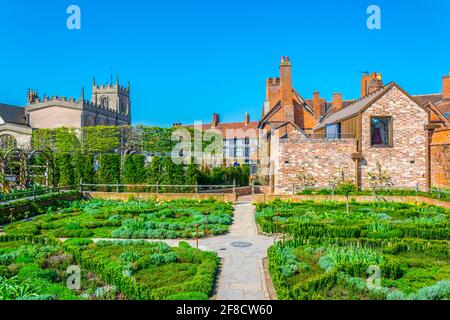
(365, 81)
(374, 85)
(272, 93)
(247, 118)
(317, 106)
(215, 120)
(446, 86)
(286, 88)
(337, 102)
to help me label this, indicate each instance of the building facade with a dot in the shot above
(110, 105)
(386, 132)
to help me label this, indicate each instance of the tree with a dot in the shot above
(65, 169)
(379, 179)
(154, 171)
(192, 175)
(304, 178)
(134, 169)
(168, 172)
(108, 171)
(346, 188)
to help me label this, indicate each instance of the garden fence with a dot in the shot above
(156, 188)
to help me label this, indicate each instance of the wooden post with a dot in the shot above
(196, 237)
(10, 216)
(206, 230)
(276, 226)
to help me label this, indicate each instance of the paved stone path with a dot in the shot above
(242, 274)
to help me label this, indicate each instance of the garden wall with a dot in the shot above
(320, 159)
(125, 196)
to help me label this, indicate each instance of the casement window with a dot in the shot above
(381, 131)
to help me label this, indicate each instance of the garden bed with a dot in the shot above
(26, 208)
(329, 254)
(131, 220)
(33, 268)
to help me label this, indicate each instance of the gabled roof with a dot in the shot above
(437, 100)
(424, 98)
(231, 130)
(272, 111)
(353, 108)
(445, 121)
(12, 114)
(303, 103)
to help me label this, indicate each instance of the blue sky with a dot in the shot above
(187, 59)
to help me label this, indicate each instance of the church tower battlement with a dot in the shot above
(112, 96)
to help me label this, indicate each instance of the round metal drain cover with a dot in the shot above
(241, 244)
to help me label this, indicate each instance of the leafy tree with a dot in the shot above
(109, 169)
(84, 167)
(134, 169)
(154, 171)
(192, 175)
(65, 169)
(168, 172)
(346, 188)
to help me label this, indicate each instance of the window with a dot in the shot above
(381, 131)
(333, 131)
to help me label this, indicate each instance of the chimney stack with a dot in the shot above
(337, 102)
(215, 120)
(365, 81)
(317, 105)
(446, 86)
(374, 85)
(247, 118)
(286, 88)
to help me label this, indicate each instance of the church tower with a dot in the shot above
(112, 96)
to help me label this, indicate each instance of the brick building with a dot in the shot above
(407, 135)
(109, 105)
(240, 141)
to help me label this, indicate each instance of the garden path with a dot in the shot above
(242, 276)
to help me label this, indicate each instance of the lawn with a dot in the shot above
(329, 254)
(131, 220)
(35, 268)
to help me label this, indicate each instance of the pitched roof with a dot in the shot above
(353, 108)
(12, 114)
(443, 105)
(231, 130)
(444, 108)
(423, 98)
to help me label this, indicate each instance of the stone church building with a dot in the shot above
(109, 105)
